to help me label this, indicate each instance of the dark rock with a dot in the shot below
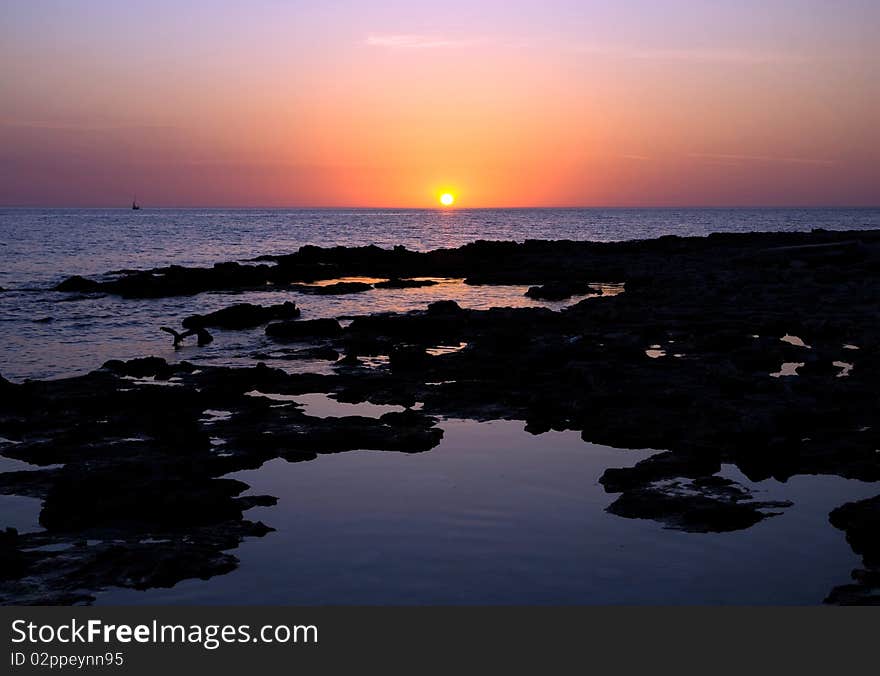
(657, 467)
(406, 358)
(79, 284)
(408, 418)
(712, 504)
(560, 290)
(304, 329)
(143, 367)
(397, 283)
(444, 307)
(242, 316)
(861, 523)
(332, 289)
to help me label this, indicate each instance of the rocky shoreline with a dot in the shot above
(758, 350)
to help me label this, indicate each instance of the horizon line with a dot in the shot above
(243, 207)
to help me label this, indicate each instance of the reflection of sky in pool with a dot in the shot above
(495, 515)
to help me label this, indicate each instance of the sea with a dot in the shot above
(493, 515)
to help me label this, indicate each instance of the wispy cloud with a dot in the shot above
(416, 41)
(61, 125)
(761, 158)
(693, 54)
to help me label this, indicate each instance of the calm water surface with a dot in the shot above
(497, 516)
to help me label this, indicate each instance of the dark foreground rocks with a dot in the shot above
(689, 359)
(861, 523)
(129, 463)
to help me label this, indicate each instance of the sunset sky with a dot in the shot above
(342, 103)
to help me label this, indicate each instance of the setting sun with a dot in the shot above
(447, 199)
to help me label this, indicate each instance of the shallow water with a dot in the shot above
(497, 516)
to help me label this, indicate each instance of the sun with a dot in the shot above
(447, 199)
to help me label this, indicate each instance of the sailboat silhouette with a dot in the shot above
(134, 204)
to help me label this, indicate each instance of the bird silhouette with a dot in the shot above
(202, 336)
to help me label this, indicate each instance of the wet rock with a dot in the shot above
(710, 504)
(304, 329)
(72, 573)
(352, 433)
(6, 386)
(657, 467)
(103, 499)
(79, 284)
(444, 307)
(406, 358)
(338, 288)
(560, 290)
(408, 418)
(435, 325)
(861, 523)
(143, 367)
(350, 359)
(242, 316)
(397, 283)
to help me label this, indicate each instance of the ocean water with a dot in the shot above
(47, 335)
(493, 514)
